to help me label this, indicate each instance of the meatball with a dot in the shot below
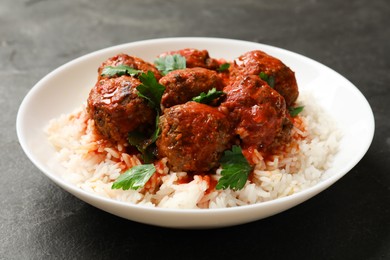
(195, 58)
(193, 137)
(255, 62)
(182, 85)
(131, 61)
(117, 109)
(258, 111)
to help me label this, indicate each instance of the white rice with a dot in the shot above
(93, 167)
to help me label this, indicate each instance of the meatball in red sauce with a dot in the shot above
(258, 111)
(116, 108)
(255, 62)
(193, 137)
(131, 61)
(182, 85)
(195, 58)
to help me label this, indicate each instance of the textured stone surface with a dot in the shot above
(350, 220)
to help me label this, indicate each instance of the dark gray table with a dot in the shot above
(351, 220)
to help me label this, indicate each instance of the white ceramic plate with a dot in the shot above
(67, 87)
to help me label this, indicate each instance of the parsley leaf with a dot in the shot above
(144, 143)
(119, 70)
(269, 79)
(210, 96)
(224, 67)
(135, 177)
(235, 169)
(137, 139)
(294, 111)
(157, 130)
(170, 63)
(150, 89)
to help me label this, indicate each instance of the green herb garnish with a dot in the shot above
(210, 96)
(224, 67)
(235, 170)
(135, 177)
(119, 70)
(152, 91)
(269, 79)
(144, 143)
(294, 111)
(170, 63)
(157, 130)
(137, 139)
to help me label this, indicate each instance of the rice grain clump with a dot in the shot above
(93, 164)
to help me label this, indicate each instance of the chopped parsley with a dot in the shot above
(120, 70)
(144, 143)
(135, 177)
(235, 170)
(209, 97)
(294, 111)
(137, 139)
(224, 67)
(269, 79)
(152, 91)
(170, 63)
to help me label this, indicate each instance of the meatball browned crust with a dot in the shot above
(258, 111)
(182, 85)
(193, 136)
(195, 58)
(255, 62)
(131, 61)
(116, 108)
